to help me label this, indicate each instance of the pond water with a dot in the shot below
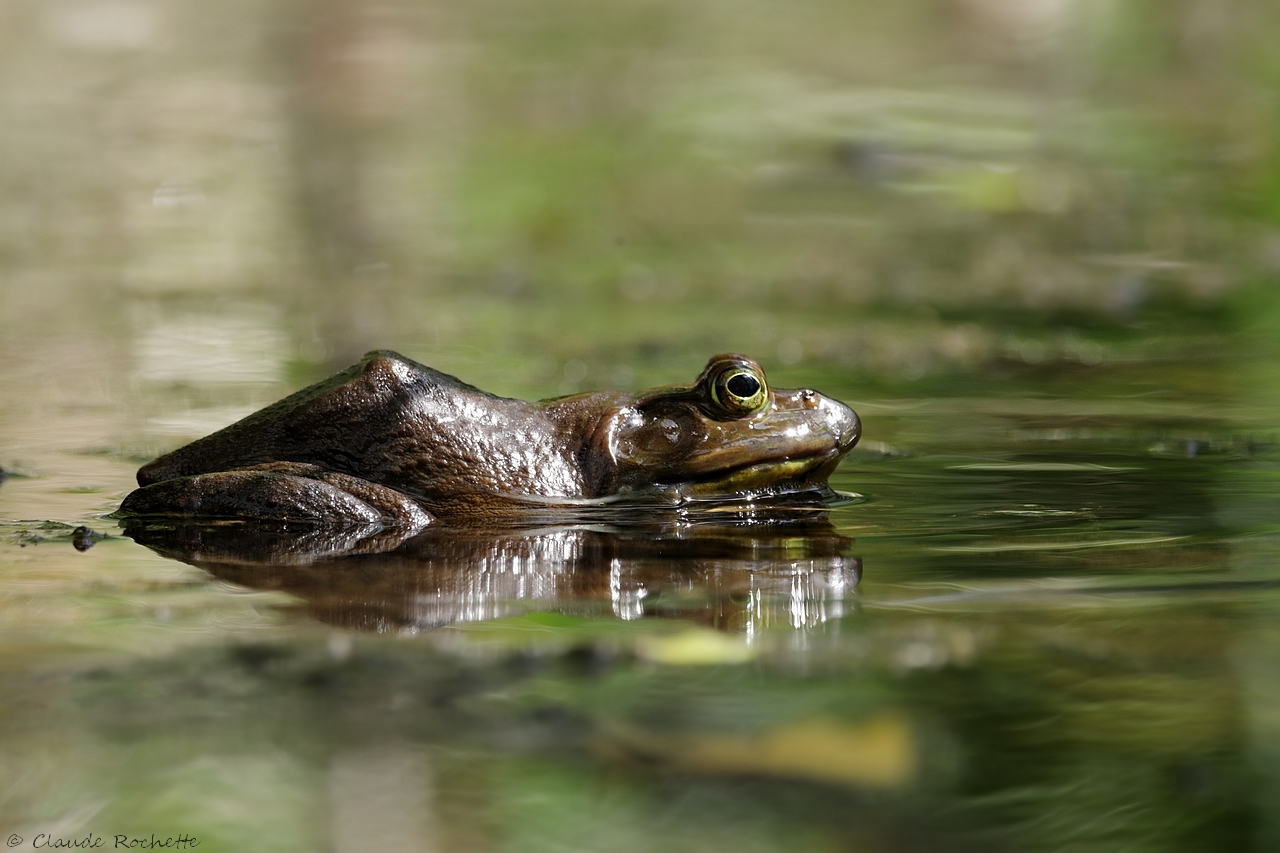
(1041, 624)
(1035, 250)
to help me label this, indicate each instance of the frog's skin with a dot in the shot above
(391, 442)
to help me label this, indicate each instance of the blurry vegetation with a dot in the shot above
(1081, 732)
(907, 191)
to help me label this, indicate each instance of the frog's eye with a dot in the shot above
(740, 391)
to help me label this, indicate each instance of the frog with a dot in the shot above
(395, 444)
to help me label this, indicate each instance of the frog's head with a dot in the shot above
(728, 434)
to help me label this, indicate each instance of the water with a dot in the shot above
(1033, 245)
(1050, 630)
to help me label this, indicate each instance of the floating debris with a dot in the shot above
(82, 538)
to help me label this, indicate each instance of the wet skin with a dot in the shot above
(391, 442)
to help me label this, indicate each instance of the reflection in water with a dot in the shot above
(739, 573)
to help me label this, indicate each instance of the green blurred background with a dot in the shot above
(559, 195)
(1011, 233)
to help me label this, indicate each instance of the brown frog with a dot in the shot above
(389, 441)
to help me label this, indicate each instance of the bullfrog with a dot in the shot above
(394, 443)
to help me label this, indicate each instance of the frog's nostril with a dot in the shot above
(809, 398)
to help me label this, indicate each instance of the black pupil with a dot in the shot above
(743, 385)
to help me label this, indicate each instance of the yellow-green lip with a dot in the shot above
(766, 476)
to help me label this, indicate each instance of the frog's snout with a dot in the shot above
(836, 421)
(842, 422)
(845, 424)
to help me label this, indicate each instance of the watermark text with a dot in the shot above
(93, 841)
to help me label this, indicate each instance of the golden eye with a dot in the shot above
(740, 391)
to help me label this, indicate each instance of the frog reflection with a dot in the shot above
(392, 443)
(733, 574)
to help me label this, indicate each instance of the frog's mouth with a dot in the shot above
(781, 475)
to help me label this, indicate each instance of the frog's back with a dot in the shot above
(335, 422)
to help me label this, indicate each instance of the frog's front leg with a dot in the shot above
(278, 491)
